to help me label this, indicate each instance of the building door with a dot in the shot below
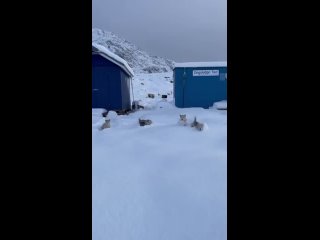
(100, 81)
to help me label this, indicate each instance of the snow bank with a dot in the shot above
(162, 181)
(220, 105)
(157, 83)
(112, 115)
(98, 111)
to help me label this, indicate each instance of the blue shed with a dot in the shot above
(111, 80)
(199, 84)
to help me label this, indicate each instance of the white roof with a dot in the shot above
(106, 53)
(201, 64)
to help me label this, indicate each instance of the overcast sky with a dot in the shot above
(181, 30)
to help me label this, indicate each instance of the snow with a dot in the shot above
(164, 180)
(157, 83)
(220, 105)
(201, 64)
(111, 56)
(112, 115)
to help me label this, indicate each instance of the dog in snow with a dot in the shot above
(199, 126)
(183, 120)
(144, 122)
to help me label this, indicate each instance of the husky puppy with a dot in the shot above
(194, 123)
(143, 122)
(199, 126)
(183, 119)
(106, 124)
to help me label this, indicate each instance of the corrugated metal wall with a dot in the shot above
(109, 89)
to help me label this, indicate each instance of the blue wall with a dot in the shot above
(199, 91)
(110, 85)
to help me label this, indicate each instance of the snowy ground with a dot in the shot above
(162, 181)
(156, 83)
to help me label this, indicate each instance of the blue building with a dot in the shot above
(199, 84)
(111, 80)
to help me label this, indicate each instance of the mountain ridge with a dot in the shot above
(139, 60)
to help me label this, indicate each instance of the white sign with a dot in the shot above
(202, 73)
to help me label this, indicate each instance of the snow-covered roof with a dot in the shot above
(201, 64)
(106, 53)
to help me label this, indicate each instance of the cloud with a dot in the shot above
(181, 30)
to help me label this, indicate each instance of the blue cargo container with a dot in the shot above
(111, 80)
(199, 84)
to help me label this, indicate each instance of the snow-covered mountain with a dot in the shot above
(139, 60)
